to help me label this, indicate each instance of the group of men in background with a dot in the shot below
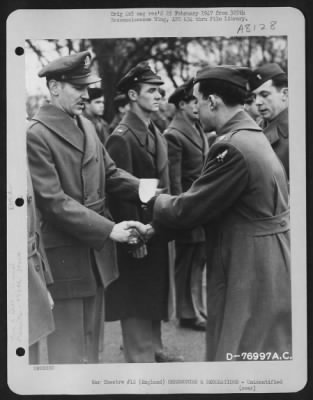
(218, 191)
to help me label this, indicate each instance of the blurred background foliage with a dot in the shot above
(175, 59)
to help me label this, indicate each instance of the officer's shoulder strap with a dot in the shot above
(121, 129)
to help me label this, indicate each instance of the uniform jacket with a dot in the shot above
(242, 197)
(277, 132)
(41, 322)
(72, 173)
(142, 289)
(187, 149)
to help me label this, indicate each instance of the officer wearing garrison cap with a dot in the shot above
(142, 295)
(72, 174)
(241, 198)
(187, 149)
(270, 85)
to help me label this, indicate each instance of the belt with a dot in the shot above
(260, 226)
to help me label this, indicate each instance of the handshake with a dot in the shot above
(135, 234)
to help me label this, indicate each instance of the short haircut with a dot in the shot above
(231, 94)
(280, 81)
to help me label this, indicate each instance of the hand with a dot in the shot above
(122, 231)
(140, 252)
(149, 232)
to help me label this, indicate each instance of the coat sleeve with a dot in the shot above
(56, 206)
(175, 154)
(222, 181)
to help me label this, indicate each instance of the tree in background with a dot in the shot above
(175, 59)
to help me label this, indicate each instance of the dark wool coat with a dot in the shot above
(40, 317)
(144, 288)
(72, 174)
(277, 132)
(187, 149)
(242, 197)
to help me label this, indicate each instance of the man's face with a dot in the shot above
(96, 106)
(191, 109)
(71, 98)
(148, 98)
(270, 100)
(205, 113)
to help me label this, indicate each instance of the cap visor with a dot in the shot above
(87, 80)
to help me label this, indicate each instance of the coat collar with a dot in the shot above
(278, 127)
(65, 127)
(240, 121)
(182, 124)
(60, 123)
(140, 131)
(136, 125)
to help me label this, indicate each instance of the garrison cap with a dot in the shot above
(141, 73)
(95, 93)
(237, 76)
(265, 73)
(74, 68)
(183, 92)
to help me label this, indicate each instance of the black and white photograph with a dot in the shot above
(158, 213)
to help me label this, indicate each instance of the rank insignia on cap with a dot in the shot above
(259, 76)
(87, 62)
(220, 157)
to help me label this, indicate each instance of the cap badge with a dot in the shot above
(87, 62)
(259, 76)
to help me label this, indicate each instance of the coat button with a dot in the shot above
(29, 199)
(37, 268)
(283, 223)
(97, 159)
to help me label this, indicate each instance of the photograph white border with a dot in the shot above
(290, 376)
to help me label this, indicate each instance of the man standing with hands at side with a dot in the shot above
(72, 174)
(187, 149)
(242, 200)
(269, 83)
(142, 296)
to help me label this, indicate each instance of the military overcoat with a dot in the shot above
(277, 132)
(144, 288)
(40, 317)
(187, 150)
(72, 174)
(242, 198)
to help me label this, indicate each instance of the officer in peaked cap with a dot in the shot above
(142, 296)
(141, 73)
(270, 85)
(187, 149)
(72, 174)
(74, 68)
(241, 198)
(183, 92)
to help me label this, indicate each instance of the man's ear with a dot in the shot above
(54, 87)
(284, 92)
(132, 94)
(212, 101)
(181, 105)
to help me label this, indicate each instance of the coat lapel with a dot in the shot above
(61, 124)
(90, 142)
(278, 127)
(183, 125)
